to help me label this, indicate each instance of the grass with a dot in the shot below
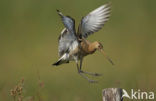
(28, 40)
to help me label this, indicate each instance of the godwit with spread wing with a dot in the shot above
(74, 46)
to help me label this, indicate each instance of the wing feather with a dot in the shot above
(68, 22)
(67, 39)
(94, 21)
(67, 42)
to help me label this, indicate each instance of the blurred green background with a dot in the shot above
(28, 46)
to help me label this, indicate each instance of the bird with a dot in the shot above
(74, 46)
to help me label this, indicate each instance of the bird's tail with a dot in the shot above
(62, 60)
(57, 63)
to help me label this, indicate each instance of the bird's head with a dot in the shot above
(99, 47)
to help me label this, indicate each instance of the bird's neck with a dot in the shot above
(91, 48)
(87, 47)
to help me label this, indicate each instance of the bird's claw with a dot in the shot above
(92, 74)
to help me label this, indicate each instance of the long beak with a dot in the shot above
(107, 57)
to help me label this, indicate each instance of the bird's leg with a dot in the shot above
(84, 76)
(89, 73)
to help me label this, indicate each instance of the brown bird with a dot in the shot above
(74, 46)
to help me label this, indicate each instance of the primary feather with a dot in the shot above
(68, 38)
(94, 21)
(68, 22)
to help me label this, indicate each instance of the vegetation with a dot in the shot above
(28, 46)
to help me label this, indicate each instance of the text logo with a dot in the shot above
(138, 94)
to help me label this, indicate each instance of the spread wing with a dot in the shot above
(67, 39)
(94, 21)
(68, 22)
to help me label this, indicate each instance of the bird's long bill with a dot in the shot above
(102, 51)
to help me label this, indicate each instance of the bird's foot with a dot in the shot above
(92, 74)
(84, 76)
(89, 80)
